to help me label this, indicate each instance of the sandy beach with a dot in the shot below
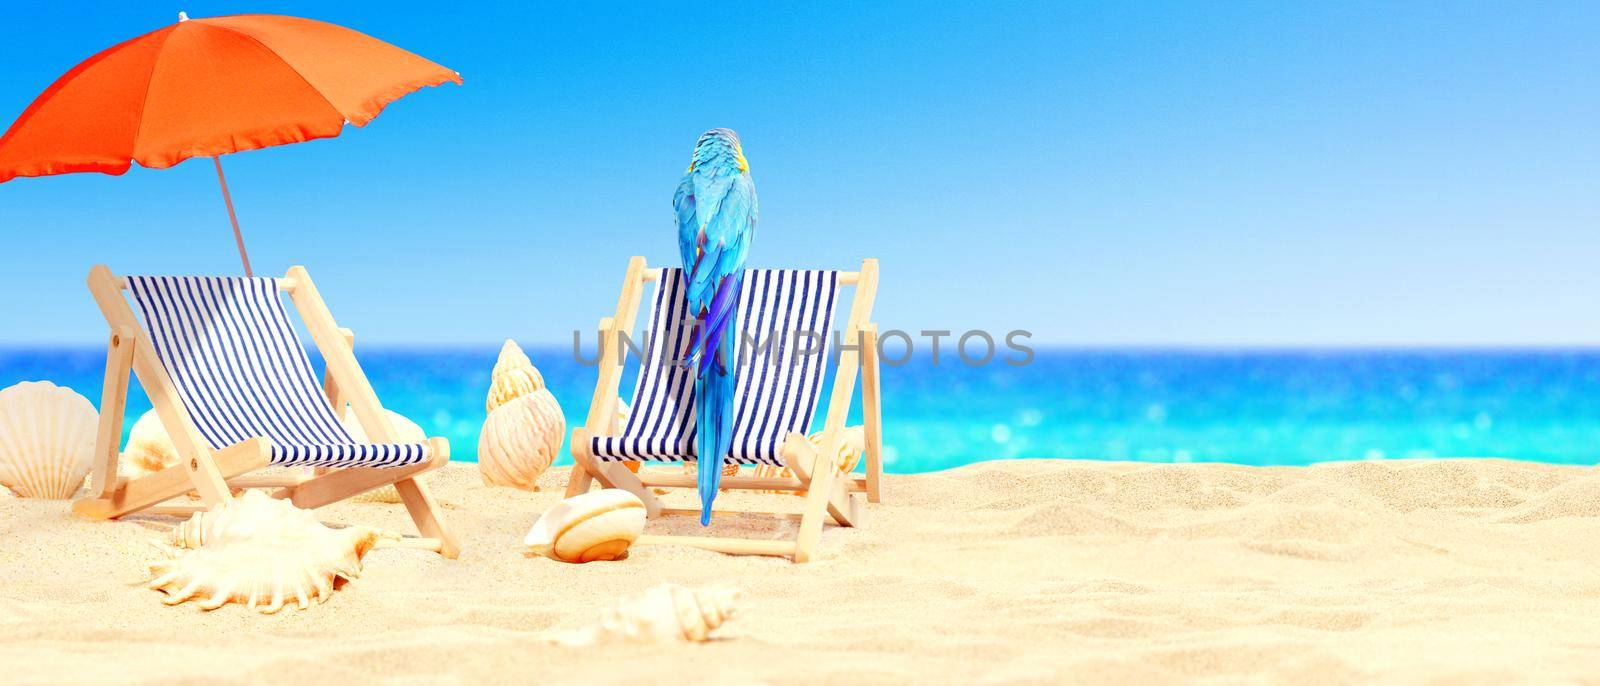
(1448, 571)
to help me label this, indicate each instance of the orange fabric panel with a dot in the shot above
(87, 119)
(215, 91)
(210, 87)
(359, 74)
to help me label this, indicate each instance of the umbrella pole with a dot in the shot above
(238, 237)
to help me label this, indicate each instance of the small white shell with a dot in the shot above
(728, 468)
(46, 439)
(260, 552)
(149, 448)
(514, 376)
(664, 613)
(405, 430)
(599, 525)
(850, 452)
(620, 419)
(520, 439)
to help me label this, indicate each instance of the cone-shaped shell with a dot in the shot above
(46, 439)
(850, 452)
(520, 439)
(514, 376)
(149, 448)
(851, 448)
(664, 613)
(599, 525)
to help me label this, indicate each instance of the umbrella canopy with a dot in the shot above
(206, 88)
(209, 87)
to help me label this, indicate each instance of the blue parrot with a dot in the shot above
(716, 208)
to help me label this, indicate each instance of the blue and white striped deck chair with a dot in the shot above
(233, 386)
(788, 318)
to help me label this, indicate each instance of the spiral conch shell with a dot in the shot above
(851, 449)
(514, 376)
(262, 553)
(599, 525)
(664, 613)
(520, 439)
(46, 439)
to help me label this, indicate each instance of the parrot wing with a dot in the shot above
(724, 240)
(688, 229)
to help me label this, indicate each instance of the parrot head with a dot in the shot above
(718, 146)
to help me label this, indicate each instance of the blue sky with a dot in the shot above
(1101, 174)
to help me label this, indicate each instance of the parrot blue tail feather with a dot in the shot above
(715, 383)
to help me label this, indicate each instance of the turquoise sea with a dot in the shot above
(1287, 407)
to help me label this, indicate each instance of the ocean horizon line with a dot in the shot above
(1263, 348)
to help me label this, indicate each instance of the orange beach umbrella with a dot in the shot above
(206, 88)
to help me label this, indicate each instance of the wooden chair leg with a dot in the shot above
(352, 481)
(825, 496)
(872, 411)
(113, 409)
(425, 512)
(609, 474)
(148, 491)
(578, 483)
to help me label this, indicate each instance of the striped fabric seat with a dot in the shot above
(787, 315)
(240, 370)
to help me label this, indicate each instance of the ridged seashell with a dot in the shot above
(46, 439)
(599, 525)
(149, 448)
(262, 553)
(514, 376)
(405, 430)
(520, 439)
(728, 468)
(849, 455)
(253, 515)
(664, 613)
(620, 419)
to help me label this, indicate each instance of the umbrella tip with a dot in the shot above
(183, 17)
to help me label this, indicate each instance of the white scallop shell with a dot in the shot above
(149, 448)
(599, 525)
(405, 430)
(46, 439)
(262, 553)
(664, 613)
(520, 439)
(514, 376)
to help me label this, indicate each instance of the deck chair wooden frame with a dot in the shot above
(214, 473)
(827, 494)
